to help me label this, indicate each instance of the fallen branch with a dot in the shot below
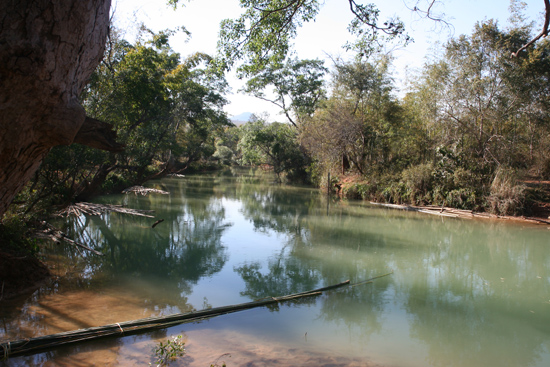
(97, 209)
(144, 190)
(157, 222)
(538, 220)
(458, 213)
(49, 232)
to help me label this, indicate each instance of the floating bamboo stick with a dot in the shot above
(34, 345)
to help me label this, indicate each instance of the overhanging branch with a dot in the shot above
(543, 33)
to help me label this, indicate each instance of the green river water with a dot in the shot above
(462, 293)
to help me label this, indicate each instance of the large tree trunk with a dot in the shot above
(48, 50)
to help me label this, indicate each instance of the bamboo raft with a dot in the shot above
(41, 343)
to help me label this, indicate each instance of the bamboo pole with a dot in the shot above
(41, 343)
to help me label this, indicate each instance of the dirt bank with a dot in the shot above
(20, 274)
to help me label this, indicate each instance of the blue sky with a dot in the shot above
(317, 39)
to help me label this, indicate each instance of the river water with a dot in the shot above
(462, 292)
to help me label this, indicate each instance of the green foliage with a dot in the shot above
(262, 35)
(15, 236)
(355, 129)
(370, 35)
(297, 86)
(168, 351)
(167, 112)
(394, 192)
(417, 181)
(223, 154)
(364, 191)
(273, 144)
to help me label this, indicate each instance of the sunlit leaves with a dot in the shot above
(298, 86)
(263, 34)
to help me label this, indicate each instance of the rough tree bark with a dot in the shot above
(48, 50)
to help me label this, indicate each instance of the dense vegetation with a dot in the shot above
(165, 111)
(472, 126)
(473, 123)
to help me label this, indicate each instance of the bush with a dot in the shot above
(15, 237)
(394, 193)
(417, 181)
(365, 191)
(224, 155)
(465, 198)
(506, 196)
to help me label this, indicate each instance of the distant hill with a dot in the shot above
(241, 119)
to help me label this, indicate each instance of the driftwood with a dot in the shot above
(144, 190)
(157, 222)
(49, 232)
(97, 209)
(458, 213)
(176, 175)
(438, 210)
(34, 345)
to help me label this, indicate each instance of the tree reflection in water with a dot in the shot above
(463, 293)
(467, 287)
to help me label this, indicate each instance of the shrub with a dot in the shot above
(15, 236)
(506, 196)
(394, 192)
(465, 198)
(166, 352)
(224, 155)
(417, 181)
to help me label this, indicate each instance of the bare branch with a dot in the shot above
(429, 14)
(543, 33)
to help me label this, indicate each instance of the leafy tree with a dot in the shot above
(165, 112)
(262, 35)
(355, 127)
(273, 144)
(477, 95)
(297, 87)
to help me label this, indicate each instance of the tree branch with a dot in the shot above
(543, 33)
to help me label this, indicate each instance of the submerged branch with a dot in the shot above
(98, 209)
(52, 233)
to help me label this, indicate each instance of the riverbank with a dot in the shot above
(536, 203)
